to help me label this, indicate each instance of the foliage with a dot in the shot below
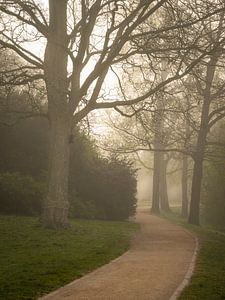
(213, 189)
(82, 209)
(35, 261)
(108, 186)
(213, 196)
(20, 195)
(24, 147)
(99, 188)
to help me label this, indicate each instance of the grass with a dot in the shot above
(208, 281)
(35, 261)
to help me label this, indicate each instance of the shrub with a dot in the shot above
(98, 188)
(24, 147)
(82, 209)
(213, 196)
(109, 188)
(20, 195)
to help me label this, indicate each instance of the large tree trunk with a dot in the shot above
(156, 177)
(56, 205)
(184, 184)
(164, 199)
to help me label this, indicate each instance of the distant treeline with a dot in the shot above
(102, 188)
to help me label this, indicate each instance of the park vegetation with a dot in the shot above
(157, 44)
(207, 281)
(99, 188)
(35, 261)
(157, 67)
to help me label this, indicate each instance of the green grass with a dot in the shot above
(208, 281)
(35, 261)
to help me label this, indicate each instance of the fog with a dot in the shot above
(144, 189)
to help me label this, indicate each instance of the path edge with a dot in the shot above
(190, 271)
(54, 292)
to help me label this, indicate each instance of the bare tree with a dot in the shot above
(211, 89)
(79, 36)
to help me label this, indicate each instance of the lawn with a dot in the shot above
(208, 281)
(35, 261)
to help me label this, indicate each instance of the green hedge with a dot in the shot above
(20, 195)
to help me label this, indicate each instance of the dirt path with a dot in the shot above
(152, 269)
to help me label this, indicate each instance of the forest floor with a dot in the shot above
(154, 268)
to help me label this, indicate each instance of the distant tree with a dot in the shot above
(18, 102)
(78, 35)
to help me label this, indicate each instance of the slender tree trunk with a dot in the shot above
(55, 210)
(184, 184)
(184, 176)
(158, 156)
(164, 199)
(194, 215)
(156, 177)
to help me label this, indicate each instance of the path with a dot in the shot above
(152, 269)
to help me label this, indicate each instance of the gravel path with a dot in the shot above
(154, 267)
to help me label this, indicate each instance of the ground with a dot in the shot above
(154, 268)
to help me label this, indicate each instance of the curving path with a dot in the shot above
(154, 268)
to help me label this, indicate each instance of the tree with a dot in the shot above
(76, 35)
(210, 88)
(66, 94)
(159, 194)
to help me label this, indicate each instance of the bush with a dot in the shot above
(99, 188)
(108, 187)
(82, 209)
(24, 147)
(213, 196)
(117, 190)
(20, 195)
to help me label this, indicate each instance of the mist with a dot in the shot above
(145, 189)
